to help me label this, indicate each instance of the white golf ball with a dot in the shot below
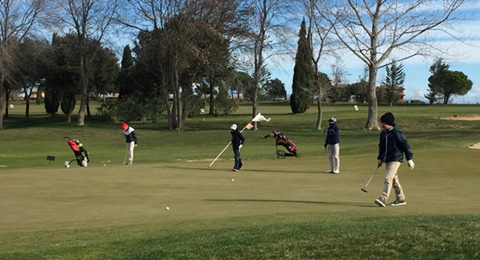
(104, 165)
(167, 208)
(233, 179)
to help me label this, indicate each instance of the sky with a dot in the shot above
(466, 60)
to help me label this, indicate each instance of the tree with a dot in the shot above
(89, 21)
(61, 76)
(125, 80)
(17, 18)
(302, 84)
(267, 32)
(447, 83)
(31, 67)
(431, 96)
(275, 88)
(319, 36)
(375, 30)
(335, 91)
(184, 38)
(395, 79)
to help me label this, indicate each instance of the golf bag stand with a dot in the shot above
(281, 140)
(81, 154)
(288, 145)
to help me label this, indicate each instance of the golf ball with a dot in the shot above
(233, 179)
(167, 208)
(104, 165)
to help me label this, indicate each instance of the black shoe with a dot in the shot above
(398, 202)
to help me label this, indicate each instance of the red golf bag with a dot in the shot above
(81, 154)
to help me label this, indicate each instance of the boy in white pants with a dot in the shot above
(131, 140)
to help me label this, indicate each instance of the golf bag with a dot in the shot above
(282, 140)
(81, 154)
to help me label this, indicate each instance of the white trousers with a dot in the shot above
(130, 147)
(334, 156)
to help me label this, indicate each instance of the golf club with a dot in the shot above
(364, 189)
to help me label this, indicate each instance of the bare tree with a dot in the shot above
(373, 29)
(89, 20)
(17, 18)
(268, 31)
(318, 34)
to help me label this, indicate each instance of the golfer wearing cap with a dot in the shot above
(131, 140)
(393, 144)
(237, 142)
(332, 144)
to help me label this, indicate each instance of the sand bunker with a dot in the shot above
(466, 118)
(475, 146)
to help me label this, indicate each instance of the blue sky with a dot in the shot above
(466, 60)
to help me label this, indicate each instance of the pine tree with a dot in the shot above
(395, 79)
(303, 73)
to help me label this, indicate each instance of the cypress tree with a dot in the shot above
(303, 73)
(125, 81)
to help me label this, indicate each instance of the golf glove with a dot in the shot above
(240, 146)
(411, 164)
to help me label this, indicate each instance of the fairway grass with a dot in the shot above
(272, 209)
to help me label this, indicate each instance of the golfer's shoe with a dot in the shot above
(329, 171)
(337, 171)
(380, 203)
(235, 170)
(129, 163)
(398, 202)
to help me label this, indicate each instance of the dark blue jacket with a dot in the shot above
(237, 138)
(393, 144)
(332, 135)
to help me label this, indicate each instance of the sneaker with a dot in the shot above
(380, 203)
(398, 202)
(129, 163)
(337, 171)
(329, 171)
(235, 170)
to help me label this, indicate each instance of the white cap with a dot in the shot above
(233, 127)
(333, 120)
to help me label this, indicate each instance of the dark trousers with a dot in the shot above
(236, 153)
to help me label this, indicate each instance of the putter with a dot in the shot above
(364, 189)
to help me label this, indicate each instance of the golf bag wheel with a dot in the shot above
(280, 154)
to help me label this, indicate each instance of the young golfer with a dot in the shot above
(131, 140)
(393, 144)
(237, 143)
(332, 144)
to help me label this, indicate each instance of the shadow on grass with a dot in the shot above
(363, 205)
(243, 170)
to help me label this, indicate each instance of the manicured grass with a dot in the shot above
(272, 209)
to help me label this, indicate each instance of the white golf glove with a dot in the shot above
(411, 164)
(240, 146)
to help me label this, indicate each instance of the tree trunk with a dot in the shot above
(212, 100)
(320, 113)
(27, 108)
(89, 115)
(84, 91)
(2, 95)
(7, 97)
(372, 121)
